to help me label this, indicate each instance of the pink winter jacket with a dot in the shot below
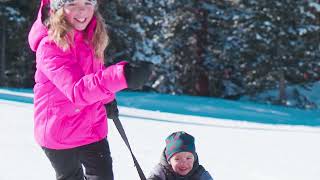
(70, 90)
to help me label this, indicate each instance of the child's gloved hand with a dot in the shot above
(137, 73)
(112, 109)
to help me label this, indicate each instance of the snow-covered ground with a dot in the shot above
(227, 149)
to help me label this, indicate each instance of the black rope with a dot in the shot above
(113, 113)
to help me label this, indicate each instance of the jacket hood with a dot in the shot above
(39, 30)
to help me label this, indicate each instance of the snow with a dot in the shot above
(308, 94)
(315, 5)
(13, 14)
(228, 149)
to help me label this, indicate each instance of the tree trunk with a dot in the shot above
(282, 88)
(202, 80)
(3, 51)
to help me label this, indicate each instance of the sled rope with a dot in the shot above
(113, 113)
(121, 131)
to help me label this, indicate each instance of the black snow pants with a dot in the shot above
(69, 163)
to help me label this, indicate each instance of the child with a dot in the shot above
(72, 86)
(179, 161)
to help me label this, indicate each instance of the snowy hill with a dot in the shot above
(228, 148)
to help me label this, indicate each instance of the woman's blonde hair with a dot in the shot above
(60, 32)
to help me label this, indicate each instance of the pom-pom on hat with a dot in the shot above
(179, 142)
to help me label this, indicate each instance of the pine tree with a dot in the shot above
(276, 39)
(17, 61)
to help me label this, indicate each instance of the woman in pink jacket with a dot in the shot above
(72, 85)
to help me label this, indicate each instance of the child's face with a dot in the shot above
(182, 162)
(79, 13)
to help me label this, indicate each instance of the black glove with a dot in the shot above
(137, 73)
(112, 109)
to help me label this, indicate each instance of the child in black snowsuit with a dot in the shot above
(179, 160)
